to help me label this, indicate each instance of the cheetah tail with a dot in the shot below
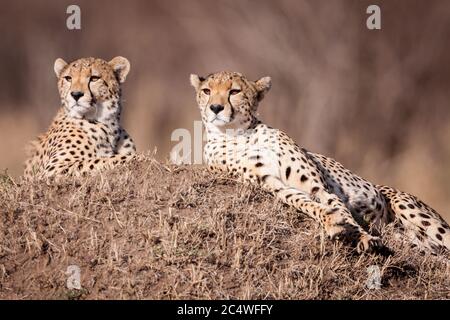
(421, 223)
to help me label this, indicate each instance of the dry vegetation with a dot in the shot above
(164, 232)
(375, 101)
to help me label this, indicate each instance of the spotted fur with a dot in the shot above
(422, 224)
(86, 134)
(347, 206)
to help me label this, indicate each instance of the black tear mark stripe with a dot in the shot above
(288, 172)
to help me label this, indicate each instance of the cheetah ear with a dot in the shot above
(196, 81)
(263, 85)
(121, 67)
(59, 66)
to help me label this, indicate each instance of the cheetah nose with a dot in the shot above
(77, 95)
(216, 108)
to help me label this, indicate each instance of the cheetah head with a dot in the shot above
(227, 100)
(90, 88)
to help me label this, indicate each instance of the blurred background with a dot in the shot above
(377, 101)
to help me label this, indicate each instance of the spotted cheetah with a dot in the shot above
(85, 134)
(347, 206)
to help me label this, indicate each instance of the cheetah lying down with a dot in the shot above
(347, 206)
(86, 134)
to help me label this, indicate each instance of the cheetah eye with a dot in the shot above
(234, 92)
(94, 78)
(68, 78)
(206, 91)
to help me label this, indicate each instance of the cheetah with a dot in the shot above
(348, 207)
(85, 134)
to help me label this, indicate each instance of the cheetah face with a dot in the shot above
(89, 87)
(227, 100)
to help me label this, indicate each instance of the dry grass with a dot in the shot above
(151, 231)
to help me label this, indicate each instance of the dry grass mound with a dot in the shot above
(151, 231)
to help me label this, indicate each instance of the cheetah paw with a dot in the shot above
(368, 243)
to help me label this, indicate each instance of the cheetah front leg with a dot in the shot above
(335, 218)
